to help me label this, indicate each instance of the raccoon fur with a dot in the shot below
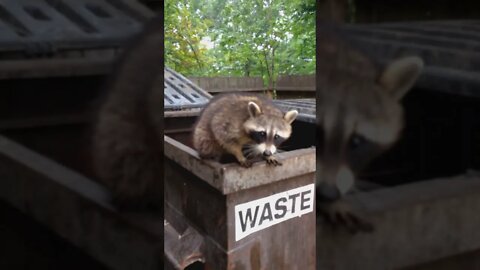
(238, 123)
(127, 147)
(359, 116)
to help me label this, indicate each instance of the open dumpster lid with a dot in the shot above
(450, 50)
(26, 25)
(181, 93)
(51, 38)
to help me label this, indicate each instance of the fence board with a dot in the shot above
(245, 84)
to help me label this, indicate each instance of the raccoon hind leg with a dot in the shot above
(205, 144)
(127, 164)
(133, 175)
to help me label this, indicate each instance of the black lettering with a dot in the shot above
(304, 200)
(282, 207)
(293, 197)
(248, 216)
(266, 214)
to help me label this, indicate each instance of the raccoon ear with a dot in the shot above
(253, 109)
(400, 75)
(290, 116)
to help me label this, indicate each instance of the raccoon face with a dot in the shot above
(267, 131)
(356, 121)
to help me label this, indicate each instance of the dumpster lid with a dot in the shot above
(450, 50)
(305, 107)
(33, 25)
(181, 93)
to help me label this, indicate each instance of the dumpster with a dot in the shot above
(224, 216)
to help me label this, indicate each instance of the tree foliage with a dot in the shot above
(184, 29)
(246, 37)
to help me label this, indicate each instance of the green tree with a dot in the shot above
(184, 29)
(248, 37)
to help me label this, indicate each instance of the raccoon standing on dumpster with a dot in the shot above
(359, 116)
(238, 123)
(128, 135)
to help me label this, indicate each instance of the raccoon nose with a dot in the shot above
(327, 193)
(267, 153)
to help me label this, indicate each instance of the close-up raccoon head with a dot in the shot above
(359, 118)
(267, 131)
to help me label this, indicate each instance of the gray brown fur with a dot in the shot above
(128, 137)
(359, 114)
(220, 127)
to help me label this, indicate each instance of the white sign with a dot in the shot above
(259, 214)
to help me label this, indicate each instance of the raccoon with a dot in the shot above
(359, 116)
(238, 123)
(127, 143)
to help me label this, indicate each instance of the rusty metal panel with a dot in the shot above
(183, 248)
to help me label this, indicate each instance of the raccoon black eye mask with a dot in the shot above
(261, 136)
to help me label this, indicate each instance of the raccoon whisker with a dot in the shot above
(249, 151)
(252, 153)
(248, 148)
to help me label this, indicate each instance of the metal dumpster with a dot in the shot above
(223, 216)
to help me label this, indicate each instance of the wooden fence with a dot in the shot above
(289, 83)
(296, 83)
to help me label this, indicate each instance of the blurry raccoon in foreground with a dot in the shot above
(359, 116)
(243, 125)
(128, 135)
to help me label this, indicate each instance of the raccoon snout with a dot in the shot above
(267, 153)
(335, 182)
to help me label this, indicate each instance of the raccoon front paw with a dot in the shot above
(273, 161)
(340, 215)
(245, 163)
